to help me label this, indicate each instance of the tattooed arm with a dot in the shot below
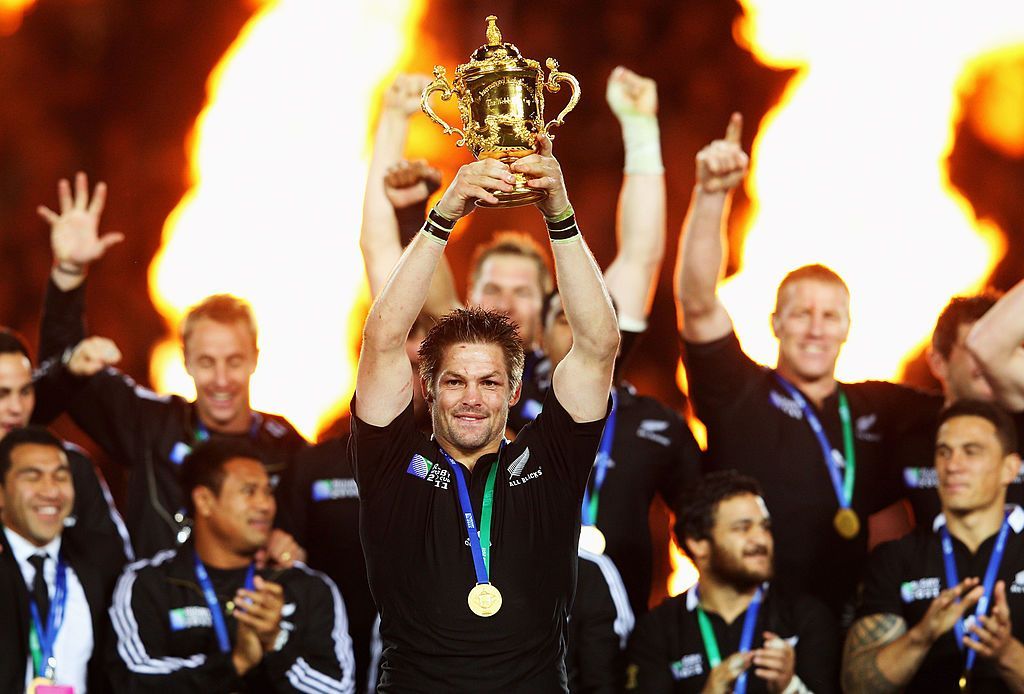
(882, 655)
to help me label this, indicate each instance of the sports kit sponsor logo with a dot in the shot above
(786, 404)
(515, 468)
(190, 617)
(539, 472)
(922, 589)
(690, 665)
(1017, 587)
(419, 466)
(920, 478)
(439, 476)
(275, 429)
(651, 429)
(864, 428)
(335, 488)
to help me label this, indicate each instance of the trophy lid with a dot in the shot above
(498, 54)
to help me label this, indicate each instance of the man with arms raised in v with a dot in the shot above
(815, 445)
(914, 633)
(462, 610)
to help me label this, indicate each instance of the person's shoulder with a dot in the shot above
(668, 609)
(280, 429)
(304, 582)
(154, 569)
(328, 453)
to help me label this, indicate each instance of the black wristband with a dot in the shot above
(563, 230)
(437, 226)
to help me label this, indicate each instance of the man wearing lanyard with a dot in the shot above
(815, 445)
(203, 618)
(149, 433)
(510, 271)
(51, 595)
(943, 608)
(734, 631)
(646, 449)
(93, 521)
(470, 543)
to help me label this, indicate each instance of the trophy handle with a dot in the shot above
(553, 85)
(440, 84)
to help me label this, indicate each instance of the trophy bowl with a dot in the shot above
(500, 96)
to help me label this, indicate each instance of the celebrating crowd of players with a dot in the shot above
(480, 522)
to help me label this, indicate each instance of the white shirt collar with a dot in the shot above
(1016, 519)
(693, 599)
(23, 549)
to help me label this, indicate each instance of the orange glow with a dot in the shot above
(994, 86)
(278, 162)
(849, 168)
(11, 14)
(684, 573)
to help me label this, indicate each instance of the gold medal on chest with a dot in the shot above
(484, 600)
(846, 523)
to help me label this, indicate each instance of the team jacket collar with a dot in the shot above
(1016, 519)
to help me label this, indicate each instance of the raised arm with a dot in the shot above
(632, 276)
(882, 655)
(582, 380)
(379, 239)
(76, 244)
(384, 380)
(702, 251)
(995, 342)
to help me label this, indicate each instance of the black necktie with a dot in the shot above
(40, 594)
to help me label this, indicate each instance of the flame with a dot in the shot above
(995, 85)
(278, 161)
(849, 170)
(11, 14)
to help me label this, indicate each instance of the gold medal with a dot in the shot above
(846, 523)
(38, 682)
(592, 539)
(484, 600)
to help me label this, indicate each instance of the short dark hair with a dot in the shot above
(961, 310)
(204, 466)
(1006, 430)
(11, 342)
(697, 516)
(475, 326)
(816, 272)
(22, 436)
(513, 243)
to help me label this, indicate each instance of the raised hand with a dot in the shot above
(722, 164)
(475, 181)
(994, 632)
(74, 233)
(543, 171)
(410, 182)
(629, 94)
(403, 96)
(281, 550)
(91, 355)
(260, 610)
(775, 663)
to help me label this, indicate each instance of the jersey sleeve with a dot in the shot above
(647, 662)
(570, 446)
(882, 582)
(717, 374)
(817, 650)
(600, 624)
(63, 322)
(684, 471)
(380, 454)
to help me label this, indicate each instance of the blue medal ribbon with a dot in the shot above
(601, 464)
(216, 616)
(47, 635)
(988, 584)
(843, 490)
(480, 561)
(746, 636)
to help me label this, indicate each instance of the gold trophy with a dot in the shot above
(501, 100)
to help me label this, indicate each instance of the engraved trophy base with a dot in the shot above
(519, 196)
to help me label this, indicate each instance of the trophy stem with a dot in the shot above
(521, 195)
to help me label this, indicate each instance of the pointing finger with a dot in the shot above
(734, 132)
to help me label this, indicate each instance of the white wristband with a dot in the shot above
(641, 139)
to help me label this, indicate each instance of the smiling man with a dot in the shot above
(734, 630)
(149, 433)
(943, 608)
(817, 446)
(470, 541)
(204, 618)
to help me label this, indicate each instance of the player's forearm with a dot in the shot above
(1011, 666)
(701, 256)
(585, 299)
(995, 342)
(640, 230)
(868, 667)
(403, 295)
